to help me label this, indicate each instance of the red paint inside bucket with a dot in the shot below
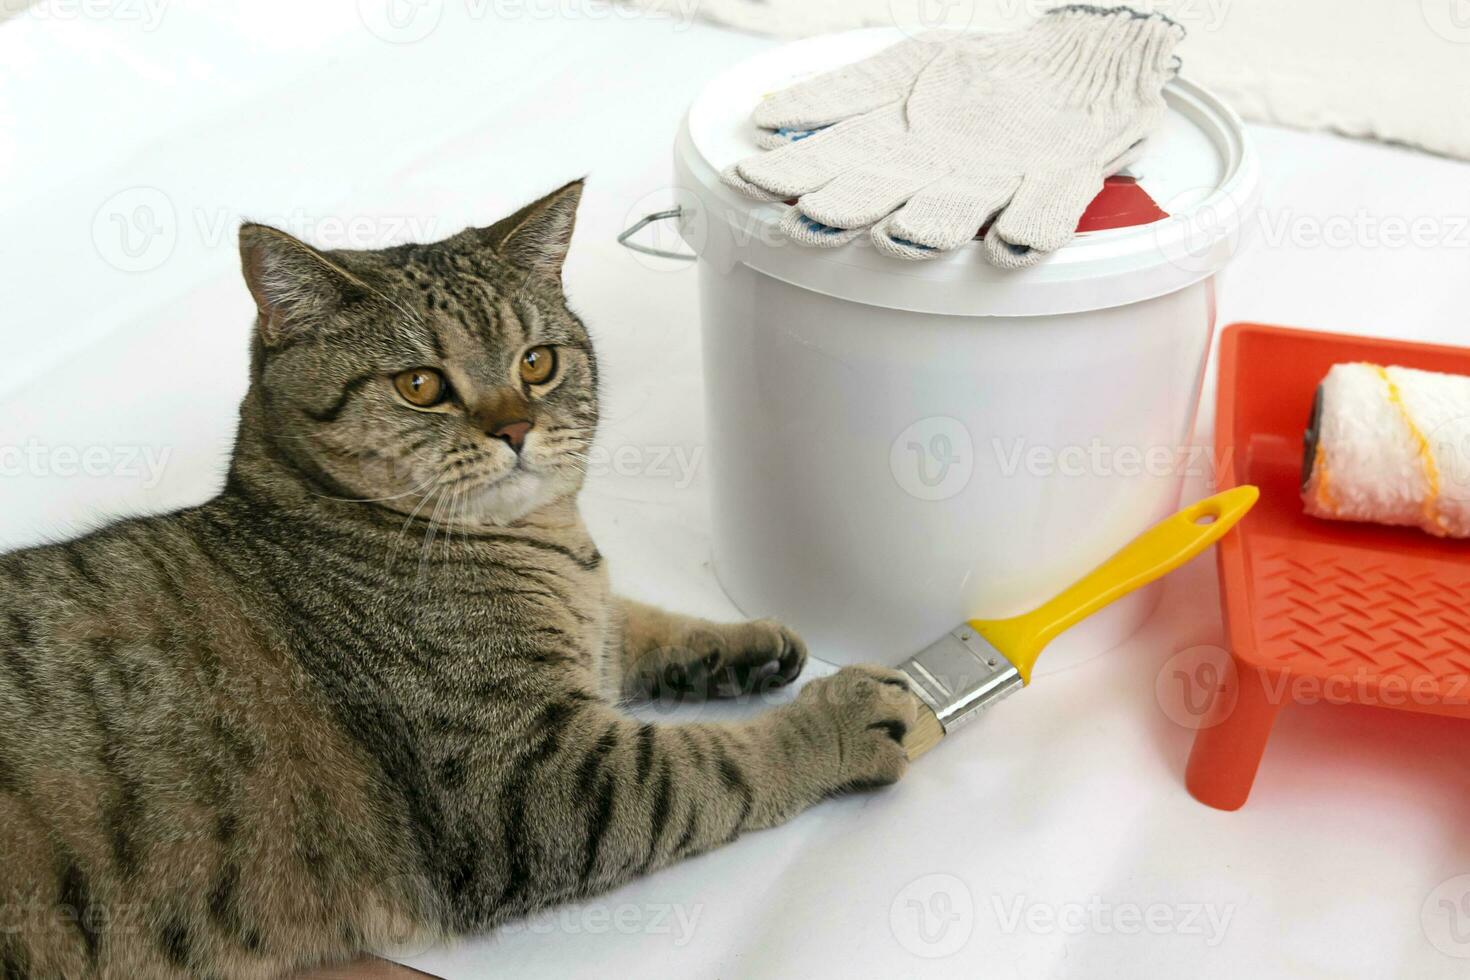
(1122, 203)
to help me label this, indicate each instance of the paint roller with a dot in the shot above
(1390, 445)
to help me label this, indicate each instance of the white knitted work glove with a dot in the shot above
(1028, 127)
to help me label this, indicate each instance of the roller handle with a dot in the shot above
(1151, 555)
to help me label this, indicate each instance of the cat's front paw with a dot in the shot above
(871, 709)
(727, 660)
(762, 649)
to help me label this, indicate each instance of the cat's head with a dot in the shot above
(448, 376)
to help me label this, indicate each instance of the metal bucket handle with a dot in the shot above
(625, 238)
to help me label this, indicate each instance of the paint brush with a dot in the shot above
(978, 663)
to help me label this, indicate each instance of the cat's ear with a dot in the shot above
(296, 288)
(536, 237)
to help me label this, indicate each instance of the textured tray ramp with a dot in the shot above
(1325, 614)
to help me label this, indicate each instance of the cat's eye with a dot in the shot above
(423, 387)
(538, 365)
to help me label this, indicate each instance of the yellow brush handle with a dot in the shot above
(1155, 552)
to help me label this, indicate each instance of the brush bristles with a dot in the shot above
(925, 734)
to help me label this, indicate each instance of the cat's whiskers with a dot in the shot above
(463, 517)
(403, 531)
(432, 531)
(417, 457)
(375, 500)
(452, 518)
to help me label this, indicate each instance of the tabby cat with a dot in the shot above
(265, 732)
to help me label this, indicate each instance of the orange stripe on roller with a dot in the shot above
(1421, 444)
(1325, 500)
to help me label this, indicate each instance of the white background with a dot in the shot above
(1066, 804)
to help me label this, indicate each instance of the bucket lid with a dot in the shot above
(1199, 167)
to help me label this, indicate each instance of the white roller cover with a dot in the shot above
(1392, 447)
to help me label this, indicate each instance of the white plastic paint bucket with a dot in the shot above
(897, 446)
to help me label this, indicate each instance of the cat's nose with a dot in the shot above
(504, 414)
(513, 433)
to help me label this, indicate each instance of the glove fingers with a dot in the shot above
(1041, 218)
(1127, 157)
(862, 195)
(815, 109)
(1008, 255)
(804, 166)
(943, 216)
(804, 231)
(851, 90)
(732, 179)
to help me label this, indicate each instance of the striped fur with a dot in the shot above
(369, 690)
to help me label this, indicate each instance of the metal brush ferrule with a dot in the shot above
(960, 674)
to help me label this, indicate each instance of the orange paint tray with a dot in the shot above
(1319, 611)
